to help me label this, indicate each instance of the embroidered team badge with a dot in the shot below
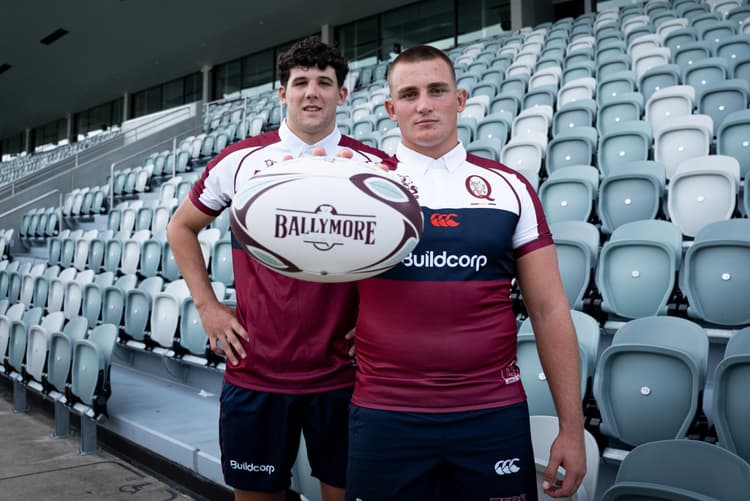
(478, 187)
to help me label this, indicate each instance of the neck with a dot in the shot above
(309, 138)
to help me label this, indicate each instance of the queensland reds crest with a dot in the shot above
(479, 187)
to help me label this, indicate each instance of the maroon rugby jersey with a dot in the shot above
(437, 333)
(296, 328)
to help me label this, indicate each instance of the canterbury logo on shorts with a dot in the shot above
(444, 220)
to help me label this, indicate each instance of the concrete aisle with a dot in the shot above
(33, 465)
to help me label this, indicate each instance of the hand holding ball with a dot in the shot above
(326, 219)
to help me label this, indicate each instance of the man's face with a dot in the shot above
(425, 102)
(311, 96)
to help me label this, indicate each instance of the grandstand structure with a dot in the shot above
(632, 122)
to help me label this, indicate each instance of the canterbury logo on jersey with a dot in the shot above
(444, 220)
(432, 259)
(507, 466)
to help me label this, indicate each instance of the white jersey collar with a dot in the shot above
(297, 147)
(422, 163)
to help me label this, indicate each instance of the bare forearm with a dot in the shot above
(182, 234)
(558, 351)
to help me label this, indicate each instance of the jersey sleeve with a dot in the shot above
(213, 192)
(532, 231)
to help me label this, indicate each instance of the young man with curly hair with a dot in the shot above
(288, 367)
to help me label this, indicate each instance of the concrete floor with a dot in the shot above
(33, 465)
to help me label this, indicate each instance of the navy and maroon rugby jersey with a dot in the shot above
(296, 328)
(437, 333)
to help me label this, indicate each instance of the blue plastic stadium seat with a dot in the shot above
(625, 143)
(631, 193)
(730, 404)
(637, 268)
(577, 248)
(733, 139)
(571, 147)
(714, 275)
(648, 382)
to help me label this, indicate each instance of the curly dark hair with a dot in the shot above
(310, 52)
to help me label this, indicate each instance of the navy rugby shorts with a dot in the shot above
(483, 455)
(259, 434)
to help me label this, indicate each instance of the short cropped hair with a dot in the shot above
(423, 53)
(311, 52)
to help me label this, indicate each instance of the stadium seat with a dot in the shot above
(60, 355)
(572, 147)
(540, 96)
(574, 114)
(627, 142)
(579, 70)
(577, 247)
(721, 98)
(659, 77)
(680, 138)
(733, 139)
(37, 345)
(524, 153)
(533, 121)
(730, 402)
(534, 380)
(193, 338)
(627, 106)
(506, 103)
(466, 129)
(637, 268)
(714, 276)
(486, 148)
(651, 58)
(165, 313)
(630, 193)
(648, 382)
(546, 77)
(706, 72)
(138, 307)
(569, 193)
(576, 90)
(717, 32)
(615, 85)
(544, 430)
(494, 127)
(91, 367)
(390, 140)
(688, 470)
(668, 103)
(703, 190)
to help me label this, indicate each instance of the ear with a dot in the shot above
(389, 108)
(282, 95)
(461, 97)
(343, 92)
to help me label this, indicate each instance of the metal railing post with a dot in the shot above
(112, 186)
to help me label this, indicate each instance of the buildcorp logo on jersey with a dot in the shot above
(432, 259)
(252, 467)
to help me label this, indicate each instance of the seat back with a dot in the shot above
(165, 315)
(192, 336)
(733, 139)
(630, 193)
(569, 192)
(714, 274)
(577, 247)
(687, 470)
(637, 268)
(571, 148)
(137, 311)
(730, 404)
(703, 190)
(648, 382)
(628, 142)
(680, 138)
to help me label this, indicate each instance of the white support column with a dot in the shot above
(27, 141)
(586, 6)
(206, 72)
(125, 106)
(327, 34)
(71, 126)
(516, 14)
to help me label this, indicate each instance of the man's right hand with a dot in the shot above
(224, 331)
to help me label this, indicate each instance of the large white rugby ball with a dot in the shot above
(326, 219)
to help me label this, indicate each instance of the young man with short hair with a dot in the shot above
(288, 368)
(438, 410)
